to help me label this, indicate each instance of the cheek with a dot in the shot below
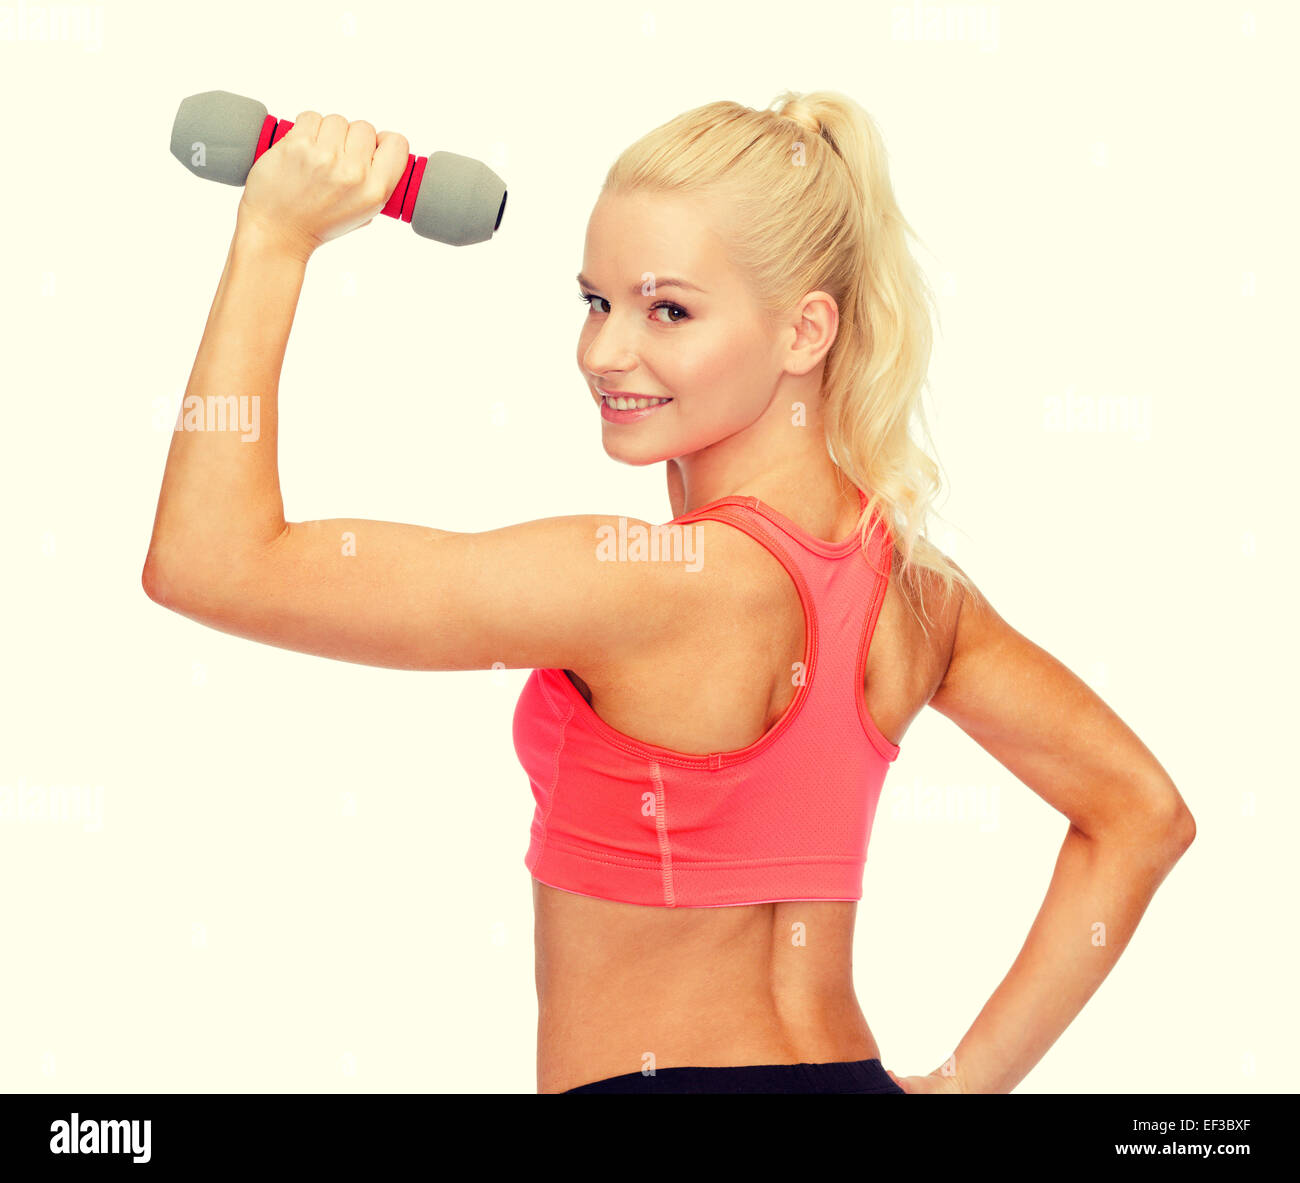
(726, 381)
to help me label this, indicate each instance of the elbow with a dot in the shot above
(1154, 817)
(161, 580)
(1184, 830)
(201, 586)
(152, 579)
(1172, 822)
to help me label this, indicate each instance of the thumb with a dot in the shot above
(392, 154)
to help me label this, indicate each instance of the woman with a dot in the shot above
(707, 726)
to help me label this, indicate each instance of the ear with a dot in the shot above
(816, 323)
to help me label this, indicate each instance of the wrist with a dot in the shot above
(255, 232)
(953, 1080)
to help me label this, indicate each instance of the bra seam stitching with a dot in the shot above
(661, 828)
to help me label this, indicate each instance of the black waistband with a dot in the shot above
(840, 1076)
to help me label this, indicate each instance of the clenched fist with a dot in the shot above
(326, 177)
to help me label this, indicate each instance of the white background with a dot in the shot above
(298, 874)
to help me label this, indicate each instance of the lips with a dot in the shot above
(629, 394)
(611, 413)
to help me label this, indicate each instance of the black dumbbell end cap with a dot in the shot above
(461, 200)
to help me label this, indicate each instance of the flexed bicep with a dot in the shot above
(561, 592)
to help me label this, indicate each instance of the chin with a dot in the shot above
(638, 455)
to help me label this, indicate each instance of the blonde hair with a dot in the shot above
(805, 184)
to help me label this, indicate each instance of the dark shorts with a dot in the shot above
(841, 1076)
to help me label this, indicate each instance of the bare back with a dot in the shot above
(751, 984)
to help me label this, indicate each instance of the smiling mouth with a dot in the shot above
(620, 402)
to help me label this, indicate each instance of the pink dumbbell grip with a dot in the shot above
(402, 202)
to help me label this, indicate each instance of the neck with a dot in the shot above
(784, 465)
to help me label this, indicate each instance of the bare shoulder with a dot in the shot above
(731, 584)
(923, 612)
(738, 563)
(706, 584)
(720, 674)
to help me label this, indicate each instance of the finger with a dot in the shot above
(305, 126)
(333, 131)
(360, 142)
(390, 159)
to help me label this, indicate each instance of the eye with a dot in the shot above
(588, 297)
(671, 308)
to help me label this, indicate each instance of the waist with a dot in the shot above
(621, 986)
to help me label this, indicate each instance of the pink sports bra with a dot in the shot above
(786, 818)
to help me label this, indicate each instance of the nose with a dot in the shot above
(606, 352)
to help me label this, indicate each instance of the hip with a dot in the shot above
(655, 1050)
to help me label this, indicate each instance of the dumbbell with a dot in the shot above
(453, 199)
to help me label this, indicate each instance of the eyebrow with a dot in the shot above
(635, 289)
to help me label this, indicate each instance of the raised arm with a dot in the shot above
(1128, 825)
(221, 489)
(548, 593)
(555, 592)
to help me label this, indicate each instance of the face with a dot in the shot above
(710, 351)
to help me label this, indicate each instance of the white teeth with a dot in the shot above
(633, 404)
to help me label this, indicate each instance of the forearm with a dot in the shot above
(221, 486)
(1099, 890)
